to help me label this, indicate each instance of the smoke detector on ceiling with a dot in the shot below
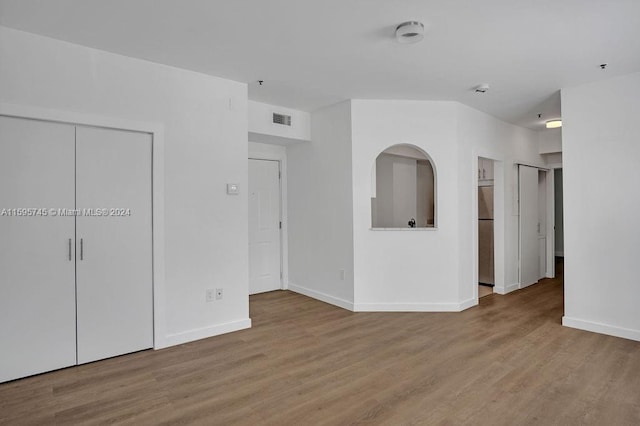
(482, 88)
(409, 32)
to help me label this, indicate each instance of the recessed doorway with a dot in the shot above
(265, 224)
(486, 259)
(535, 196)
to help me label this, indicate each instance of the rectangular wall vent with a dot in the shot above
(285, 120)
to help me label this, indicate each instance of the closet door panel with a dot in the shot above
(114, 243)
(529, 223)
(37, 273)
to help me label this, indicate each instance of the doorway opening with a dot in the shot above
(536, 217)
(558, 211)
(265, 225)
(486, 259)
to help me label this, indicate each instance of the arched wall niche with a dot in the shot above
(403, 182)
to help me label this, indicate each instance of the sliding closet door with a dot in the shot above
(37, 275)
(529, 225)
(113, 245)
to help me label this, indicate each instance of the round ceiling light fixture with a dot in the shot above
(409, 32)
(553, 124)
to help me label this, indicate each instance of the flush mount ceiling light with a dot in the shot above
(553, 124)
(409, 32)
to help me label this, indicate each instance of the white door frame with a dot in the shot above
(500, 212)
(279, 215)
(281, 158)
(552, 191)
(498, 223)
(550, 234)
(157, 135)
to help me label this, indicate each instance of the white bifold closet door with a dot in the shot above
(529, 223)
(37, 267)
(113, 252)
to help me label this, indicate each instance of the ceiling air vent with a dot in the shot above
(285, 120)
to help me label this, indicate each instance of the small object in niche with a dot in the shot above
(412, 223)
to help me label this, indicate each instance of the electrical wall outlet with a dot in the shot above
(211, 295)
(219, 293)
(341, 274)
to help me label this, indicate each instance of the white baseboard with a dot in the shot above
(596, 327)
(466, 304)
(415, 307)
(323, 297)
(204, 332)
(507, 289)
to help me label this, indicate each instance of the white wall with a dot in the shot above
(553, 160)
(262, 129)
(406, 269)
(435, 269)
(205, 138)
(601, 135)
(397, 192)
(424, 213)
(426, 269)
(405, 181)
(481, 135)
(550, 141)
(320, 209)
(263, 150)
(384, 192)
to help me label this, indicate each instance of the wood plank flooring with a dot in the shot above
(507, 361)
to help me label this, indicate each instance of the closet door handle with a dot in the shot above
(81, 249)
(69, 249)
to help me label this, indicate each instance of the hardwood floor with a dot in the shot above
(484, 290)
(507, 361)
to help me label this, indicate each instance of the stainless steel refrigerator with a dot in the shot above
(485, 235)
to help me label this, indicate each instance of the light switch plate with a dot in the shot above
(232, 189)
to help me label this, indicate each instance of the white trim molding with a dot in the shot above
(416, 307)
(205, 332)
(596, 327)
(323, 297)
(469, 303)
(507, 289)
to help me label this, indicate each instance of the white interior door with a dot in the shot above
(114, 251)
(264, 226)
(528, 211)
(37, 272)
